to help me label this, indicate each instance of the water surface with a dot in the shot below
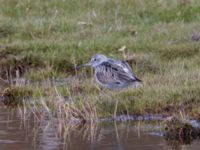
(27, 134)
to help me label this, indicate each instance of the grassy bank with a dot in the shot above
(44, 40)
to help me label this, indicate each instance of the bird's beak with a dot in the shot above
(84, 65)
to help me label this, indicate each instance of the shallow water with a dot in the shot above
(28, 133)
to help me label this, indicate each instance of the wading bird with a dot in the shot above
(111, 73)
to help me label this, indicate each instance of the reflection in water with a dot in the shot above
(53, 134)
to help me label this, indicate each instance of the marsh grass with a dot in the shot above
(180, 129)
(45, 40)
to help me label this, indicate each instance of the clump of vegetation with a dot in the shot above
(15, 96)
(180, 129)
(6, 30)
(13, 60)
(183, 51)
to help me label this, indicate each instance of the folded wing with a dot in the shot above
(114, 73)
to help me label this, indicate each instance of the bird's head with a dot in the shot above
(96, 60)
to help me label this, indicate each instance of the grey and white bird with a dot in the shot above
(111, 73)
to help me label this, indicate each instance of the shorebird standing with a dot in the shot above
(111, 73)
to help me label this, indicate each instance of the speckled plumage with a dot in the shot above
(111, 73)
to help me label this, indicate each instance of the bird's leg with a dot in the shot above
(98, 88)
(104, 91)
